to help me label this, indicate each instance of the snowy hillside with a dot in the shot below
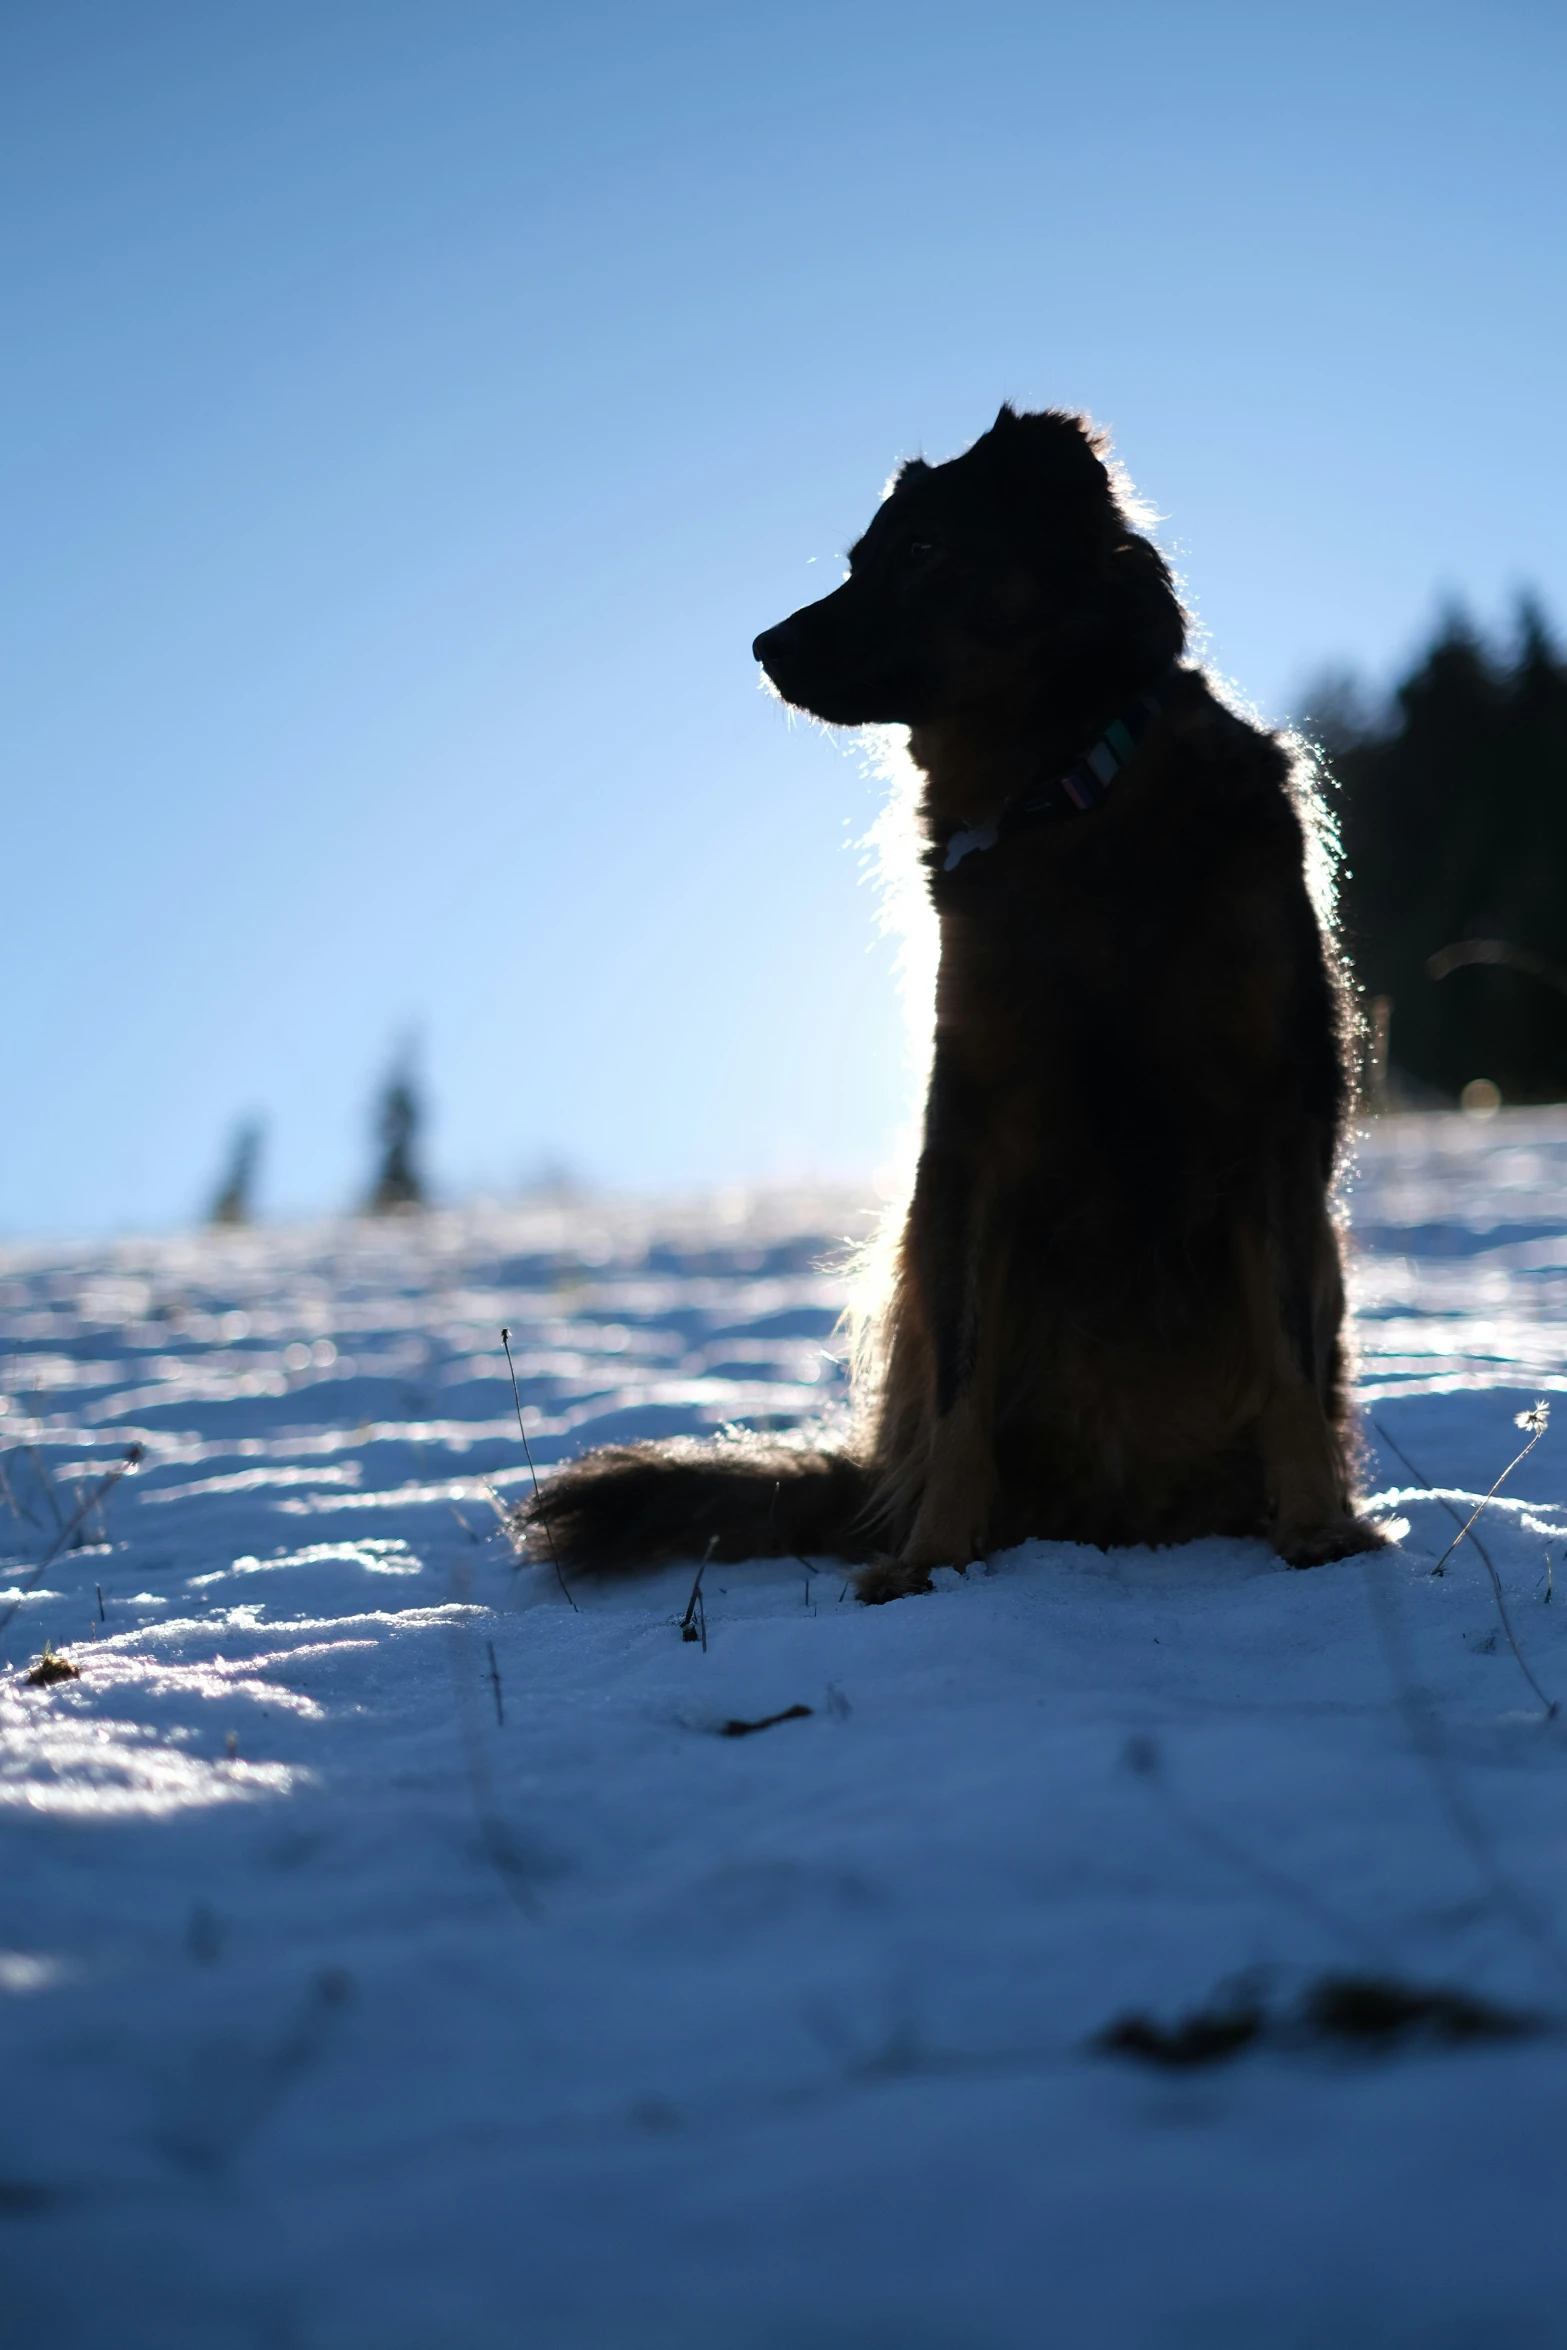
(394, 1956)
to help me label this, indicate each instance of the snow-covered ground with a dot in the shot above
(394, 1957)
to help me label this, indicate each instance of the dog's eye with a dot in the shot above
(919, 551)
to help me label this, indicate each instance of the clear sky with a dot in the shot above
(412, 409)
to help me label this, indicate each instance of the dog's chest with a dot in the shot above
(1042, 960)
(1114, 1026)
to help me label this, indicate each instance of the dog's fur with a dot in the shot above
(1116, 1315)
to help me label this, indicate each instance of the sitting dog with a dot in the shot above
(1117, 1309)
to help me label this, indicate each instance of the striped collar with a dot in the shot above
(1080, 789)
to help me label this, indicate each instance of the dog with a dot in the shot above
(1118, 1299)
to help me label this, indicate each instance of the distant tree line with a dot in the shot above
(397, 1183)
(1453, 809)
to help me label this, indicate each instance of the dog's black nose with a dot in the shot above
(759, 648)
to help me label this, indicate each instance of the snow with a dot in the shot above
(398, 1958)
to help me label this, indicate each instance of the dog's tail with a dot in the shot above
(637, 1505)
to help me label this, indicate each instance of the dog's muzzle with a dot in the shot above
(773, 645)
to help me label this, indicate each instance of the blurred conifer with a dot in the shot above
(1454, 816)
(399, 1116)
(233, 1203)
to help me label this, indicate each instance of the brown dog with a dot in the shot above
(1118, 1301)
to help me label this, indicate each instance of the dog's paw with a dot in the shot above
(1340, 1538)
(890, 1578)
(944, 1538)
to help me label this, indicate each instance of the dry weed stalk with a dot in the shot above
(1536, 1420)
(68, 1526)
(527, 1454)
(696, 1605)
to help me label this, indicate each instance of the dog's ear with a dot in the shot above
(1148, 608)
(1046, 457)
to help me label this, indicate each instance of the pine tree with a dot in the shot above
(398, 1183)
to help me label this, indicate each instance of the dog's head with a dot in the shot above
(1016, 555)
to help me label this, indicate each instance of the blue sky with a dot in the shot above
(411, 412)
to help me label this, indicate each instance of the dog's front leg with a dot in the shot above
(1299, 1289)
(952, 1265)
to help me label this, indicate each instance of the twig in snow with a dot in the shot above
(772, 1519)
(527, 1454)
(102, 1618)
(61, 1540)
(89, 1502)
(1366, 2014)
(1208, 2035)
(739, 1729)
(495, 1684)
(1536, 1420)
(22, 1510)
(696, 1605)
(46, 1482)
